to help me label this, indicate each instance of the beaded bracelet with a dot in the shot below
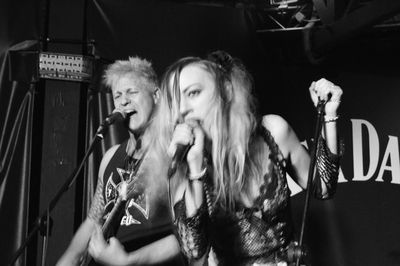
(199, 176)
(331, 119)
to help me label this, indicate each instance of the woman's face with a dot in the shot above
(197, 92)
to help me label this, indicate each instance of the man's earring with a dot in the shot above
(156, 95)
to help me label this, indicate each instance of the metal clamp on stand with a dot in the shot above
(294, 252)
(45, 224)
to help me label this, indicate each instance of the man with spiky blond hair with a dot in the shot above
(143, 235)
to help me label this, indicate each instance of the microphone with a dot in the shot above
(116, 116)
(179, 156)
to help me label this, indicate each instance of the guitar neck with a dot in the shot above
(114, 218)
(109, 227)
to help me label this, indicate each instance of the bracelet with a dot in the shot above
(199, 176)
(331, 119)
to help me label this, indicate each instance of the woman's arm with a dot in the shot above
(324, 90)
(189, 199)
(295, 154)
(297, 157)
(190, 134)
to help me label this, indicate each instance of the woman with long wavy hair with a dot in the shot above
(231, 192)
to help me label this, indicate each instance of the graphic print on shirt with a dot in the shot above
(137, 205)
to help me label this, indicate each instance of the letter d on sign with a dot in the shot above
(358, 159)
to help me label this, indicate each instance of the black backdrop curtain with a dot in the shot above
(19, 21)
(16, 118)
(358, 227)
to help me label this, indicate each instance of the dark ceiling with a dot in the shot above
(320, 26)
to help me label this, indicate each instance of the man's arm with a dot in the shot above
(159, 251)
(78, 245)
(113, 253)
(80, 241)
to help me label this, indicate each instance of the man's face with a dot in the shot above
(133, 96)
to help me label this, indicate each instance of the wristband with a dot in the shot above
(331, 119)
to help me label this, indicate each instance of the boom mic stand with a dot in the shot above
(43, 222)
(300, 252)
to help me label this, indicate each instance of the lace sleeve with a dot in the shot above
(191, 230)
(327, 170)
(96, 210)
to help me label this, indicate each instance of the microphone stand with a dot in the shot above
(44, 222)
(320, 115)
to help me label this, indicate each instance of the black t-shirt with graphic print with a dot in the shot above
(142, 219)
